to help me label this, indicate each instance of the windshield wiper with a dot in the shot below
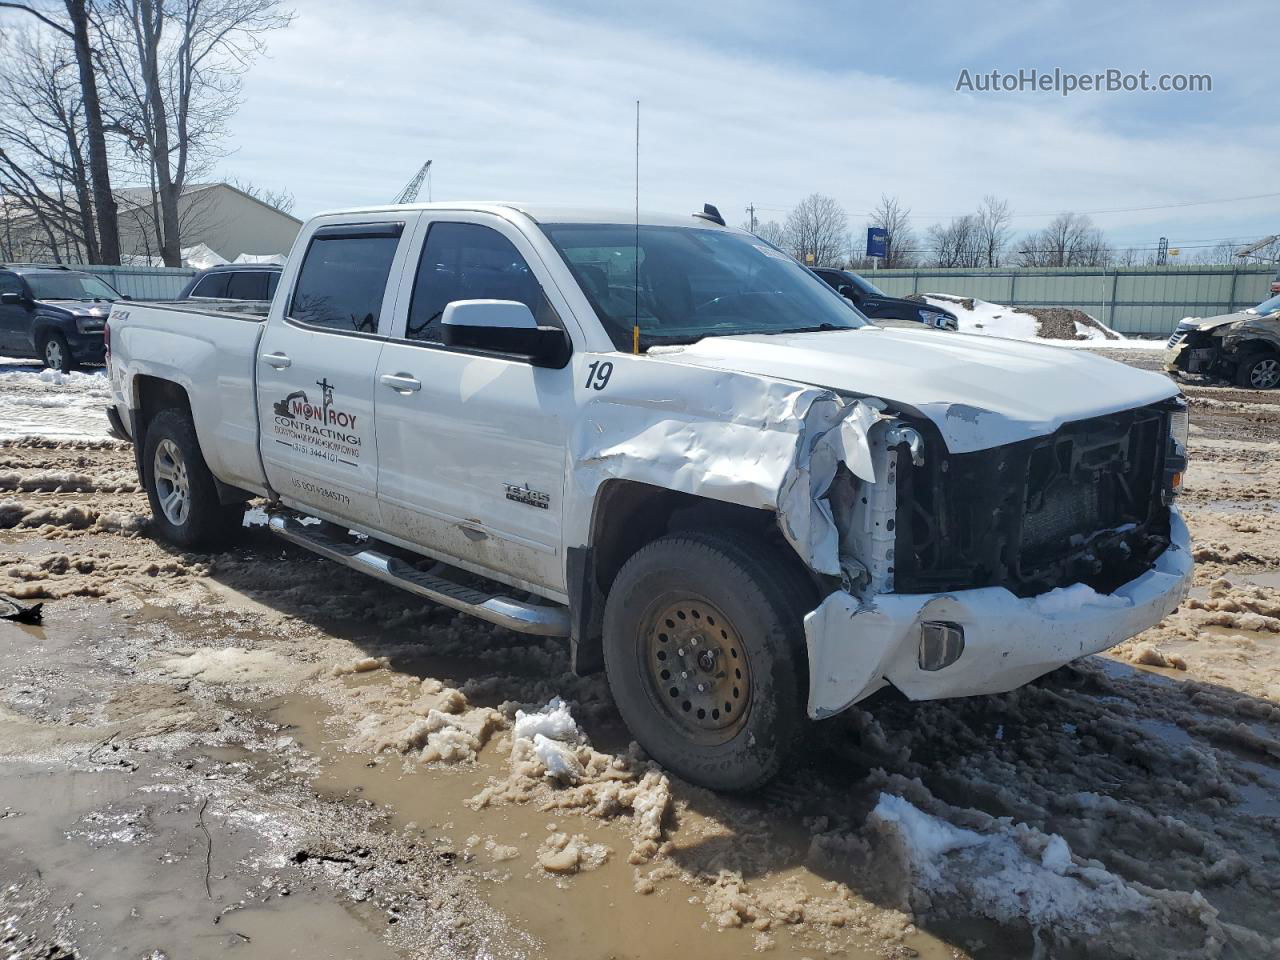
(820, 328)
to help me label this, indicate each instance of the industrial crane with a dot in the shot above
(410, 191)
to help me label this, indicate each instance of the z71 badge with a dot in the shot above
(532, 498)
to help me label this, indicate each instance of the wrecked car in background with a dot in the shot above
(1242, 347)
(675, 446)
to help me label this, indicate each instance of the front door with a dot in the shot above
(316, 366)
(472, 446)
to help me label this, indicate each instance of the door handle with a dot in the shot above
(401, 382)
(277, 360)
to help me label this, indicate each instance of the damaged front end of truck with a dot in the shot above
(1242, 348)
(976, 572)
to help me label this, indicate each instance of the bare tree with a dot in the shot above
(817, 231)
(993, 230)
(957, 244)
(895, 219)
(1070, 240)
(175, 69)
(76, 28)
(43, 169)
(282, 199)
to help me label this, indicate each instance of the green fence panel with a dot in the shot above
(1134, 300)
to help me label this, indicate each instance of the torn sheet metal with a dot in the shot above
(729, 436)
(856, 646)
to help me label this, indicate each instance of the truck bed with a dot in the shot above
(209, 348)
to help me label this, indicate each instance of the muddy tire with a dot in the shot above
(55, 353)
(1261, 371)
(703, 649)
(184, 499)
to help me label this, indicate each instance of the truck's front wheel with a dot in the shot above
(184, 499)
(702, 641)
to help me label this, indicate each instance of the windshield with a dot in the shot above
(866, 286)
(1268, 306)
(685, 283)
(69, 286)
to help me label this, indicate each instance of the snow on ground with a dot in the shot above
(996, 320)
(38, 402)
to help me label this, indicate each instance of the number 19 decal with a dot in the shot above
(598, 374)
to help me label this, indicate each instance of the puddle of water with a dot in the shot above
(1270, 578)
(1262, 798)
(591, 915)
(130, 892)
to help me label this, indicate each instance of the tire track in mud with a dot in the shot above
(1145, 801)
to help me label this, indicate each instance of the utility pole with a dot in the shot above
(1162, 252)
(751, 210)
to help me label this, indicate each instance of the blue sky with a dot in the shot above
(767, 102)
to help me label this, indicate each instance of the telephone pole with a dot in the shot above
(751, 211)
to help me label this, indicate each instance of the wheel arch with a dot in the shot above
(626, 516)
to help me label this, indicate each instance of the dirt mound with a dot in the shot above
(1059, 323)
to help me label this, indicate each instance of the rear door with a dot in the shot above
(15, 318)
(471, 445)
(316, 368)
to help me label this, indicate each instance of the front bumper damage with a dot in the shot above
(858, 646)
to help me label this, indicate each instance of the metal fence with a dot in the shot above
(1133, 300)
(142, 283)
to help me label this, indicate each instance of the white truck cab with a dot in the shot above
(671, 443)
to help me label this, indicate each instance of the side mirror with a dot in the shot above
(849, 292)
(125, 296)
(11, 299)
(504, 326)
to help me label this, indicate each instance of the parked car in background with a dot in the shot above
(878, 305)
(1243, 347)
(233, 281)
(54, 314)
(1275, 283)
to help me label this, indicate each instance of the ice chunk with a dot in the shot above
(559, 759)
(553, 721)
(1063, 600)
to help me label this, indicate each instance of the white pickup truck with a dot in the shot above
(672, 444)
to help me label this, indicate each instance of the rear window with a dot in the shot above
(248, 285)
(344, 276)
(213, 285)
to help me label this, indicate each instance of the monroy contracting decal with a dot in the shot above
(323, 430)
(533, 498)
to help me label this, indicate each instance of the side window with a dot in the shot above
(273, 281)
(213, 285)
(466, 261)
(248, 285)
(344, 276)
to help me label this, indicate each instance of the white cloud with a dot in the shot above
(515, 101)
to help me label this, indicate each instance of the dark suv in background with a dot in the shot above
(233, 281)
(54, 314)
(878, 305)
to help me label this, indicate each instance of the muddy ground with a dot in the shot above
(257, 751)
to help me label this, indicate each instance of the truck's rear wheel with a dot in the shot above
(183, 496)
(702, 641)
(1260, 371)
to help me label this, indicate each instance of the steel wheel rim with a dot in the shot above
(1264, 375)
(53, 354)
(697, 670)
(173, 486)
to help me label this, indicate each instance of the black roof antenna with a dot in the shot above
(709, 212)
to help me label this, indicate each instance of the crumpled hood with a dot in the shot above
(980, 391)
